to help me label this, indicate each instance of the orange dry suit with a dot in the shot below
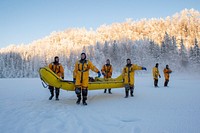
(57, 68)
(107, 71)
(81, 73)
(166, 73)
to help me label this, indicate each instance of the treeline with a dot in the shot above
(172, 41)
(184, 26)
(143, 52)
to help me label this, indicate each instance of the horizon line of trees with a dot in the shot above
(172, 41)
(20, 63)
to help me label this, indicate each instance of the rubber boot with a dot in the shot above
(84, 94)
(50, 97)
(78, 93)
(57, 99)
(51, 89)
(126, 94)
(109, 91)
(79, 99)
(57, 93)
(166, 83)
(155, 82)
(131, 91)
(84, 101)
(127, 87)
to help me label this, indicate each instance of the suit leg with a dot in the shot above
(57, 93)
(51, 89)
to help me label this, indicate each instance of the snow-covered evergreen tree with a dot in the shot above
(191, 55)
(154, 51)
(196, 52)
(183, 55)
(99, 56)
(115, 55)
(106, 49)
(133, 52)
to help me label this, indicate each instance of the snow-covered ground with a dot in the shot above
(25, 108)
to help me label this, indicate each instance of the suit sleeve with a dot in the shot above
(123, 73)
(111, 70)
(136, 67)
(62, 71)
(75, 70)
(50, 66)
(92, 67)
(103, 70)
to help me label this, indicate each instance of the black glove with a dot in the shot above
(74, 80)
(63, 77)
(144, 68)
(99, 74)
(159, 76)
(103, 74)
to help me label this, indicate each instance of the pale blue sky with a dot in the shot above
(23, 21)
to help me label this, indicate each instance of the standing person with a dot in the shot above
(166, 72)
(128, 73)
(57, 68)
(156, 74)
(107, 73)
(81, 77)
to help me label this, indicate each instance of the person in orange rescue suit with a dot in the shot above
(128, 73)
(107, 73)
(81, 77)
(156, 74)
(166, 72)
(57, 68)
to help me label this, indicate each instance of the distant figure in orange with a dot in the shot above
(166, 72)
(107, 73)
(156, 74)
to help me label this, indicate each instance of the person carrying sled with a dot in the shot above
(156, 74)
(166, 72)
(81, 77)
(57, 68)
(128, 73)
(107, 73)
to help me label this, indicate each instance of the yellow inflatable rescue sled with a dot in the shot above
(50, 78)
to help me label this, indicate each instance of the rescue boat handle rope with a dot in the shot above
(44, 84)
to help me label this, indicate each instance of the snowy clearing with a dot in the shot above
(25, 108)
